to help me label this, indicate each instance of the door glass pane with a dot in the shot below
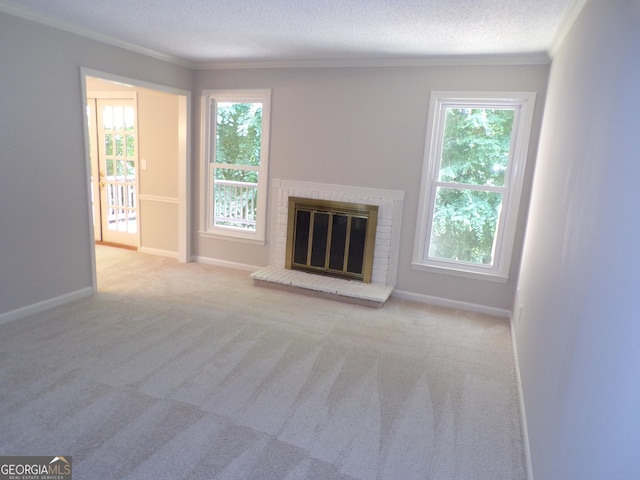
(129, 118)
(131, 196)
(464, 225)
(132, 224)
(475, 146)
(108, 143)
(111, 194)
(121, 194)
(107, 118)
(131, 146)
(118, 118)
(119, 145)
(111, 218)
(120, 168)
(122, 220)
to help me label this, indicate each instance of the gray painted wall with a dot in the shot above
(44, 207)
(366, 127)
(577, 337)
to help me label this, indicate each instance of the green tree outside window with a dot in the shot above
(474, 159)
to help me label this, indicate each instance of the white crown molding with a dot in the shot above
(66, 27)
(566, 25)
(537, 58)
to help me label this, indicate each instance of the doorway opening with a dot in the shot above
(137, 165)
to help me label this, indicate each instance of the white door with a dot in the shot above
(115, 183)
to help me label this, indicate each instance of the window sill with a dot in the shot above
(232, 238)
(461, 272)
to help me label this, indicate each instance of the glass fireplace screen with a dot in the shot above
(331, 238)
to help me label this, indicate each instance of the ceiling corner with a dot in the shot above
(570, 17)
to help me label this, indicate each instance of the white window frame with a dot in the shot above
(209, 100)
(523, 104)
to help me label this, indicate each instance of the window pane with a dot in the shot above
(236, 153)
(235, 198)
(232, 174)
(464, 225)
(238, 132)
(475, 147)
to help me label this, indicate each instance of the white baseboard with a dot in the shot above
(45, 305)
(159, 252)
(523, 415)
(445, 302)
(226, 264)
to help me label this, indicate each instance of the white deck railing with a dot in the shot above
(235, 203)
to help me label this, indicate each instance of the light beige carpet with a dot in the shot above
(191, 372)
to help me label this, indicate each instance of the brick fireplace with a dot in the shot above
(389, 204)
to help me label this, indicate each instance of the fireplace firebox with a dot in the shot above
(331, 238)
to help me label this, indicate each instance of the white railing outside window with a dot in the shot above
(235, 204)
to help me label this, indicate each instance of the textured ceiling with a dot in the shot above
(312, 30)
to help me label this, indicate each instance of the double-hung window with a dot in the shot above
(236, 146)
(473, 170)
